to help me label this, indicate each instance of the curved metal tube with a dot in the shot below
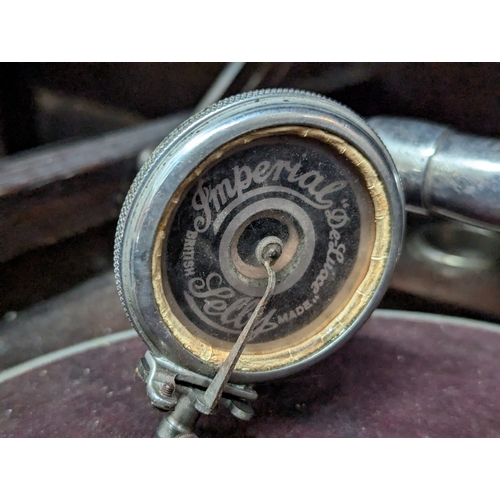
(445, 172)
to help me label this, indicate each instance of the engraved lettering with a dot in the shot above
(233, 314)
(336, 219)
(264, 324)
(208, 198)
(222, 192)
(293, 171)
(282, 318)
(338, 251)
(262, 171)
(201, 289)
(240, 184)
(279, 166)
(188, 253)
(236, 314)
(214, 306)
(293, 314)
(311, 186)
(200, 202)
(331, 188)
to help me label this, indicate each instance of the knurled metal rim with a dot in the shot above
(181, 152)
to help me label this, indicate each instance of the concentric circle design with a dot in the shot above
(289, 175)
(288, 166)
(251, 279)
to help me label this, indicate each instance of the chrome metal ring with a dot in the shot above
(173, 168)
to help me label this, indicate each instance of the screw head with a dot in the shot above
(167, 389)
(269, 249)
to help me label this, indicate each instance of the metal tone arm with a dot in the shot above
(445, 172)
(267, 251)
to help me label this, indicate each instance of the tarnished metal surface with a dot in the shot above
(361, 224)
(444, 172)
(403, 375)
(181, 158)
(451, 263)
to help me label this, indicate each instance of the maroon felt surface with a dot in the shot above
(396, 378)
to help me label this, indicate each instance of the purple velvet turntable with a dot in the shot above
(402, 375)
